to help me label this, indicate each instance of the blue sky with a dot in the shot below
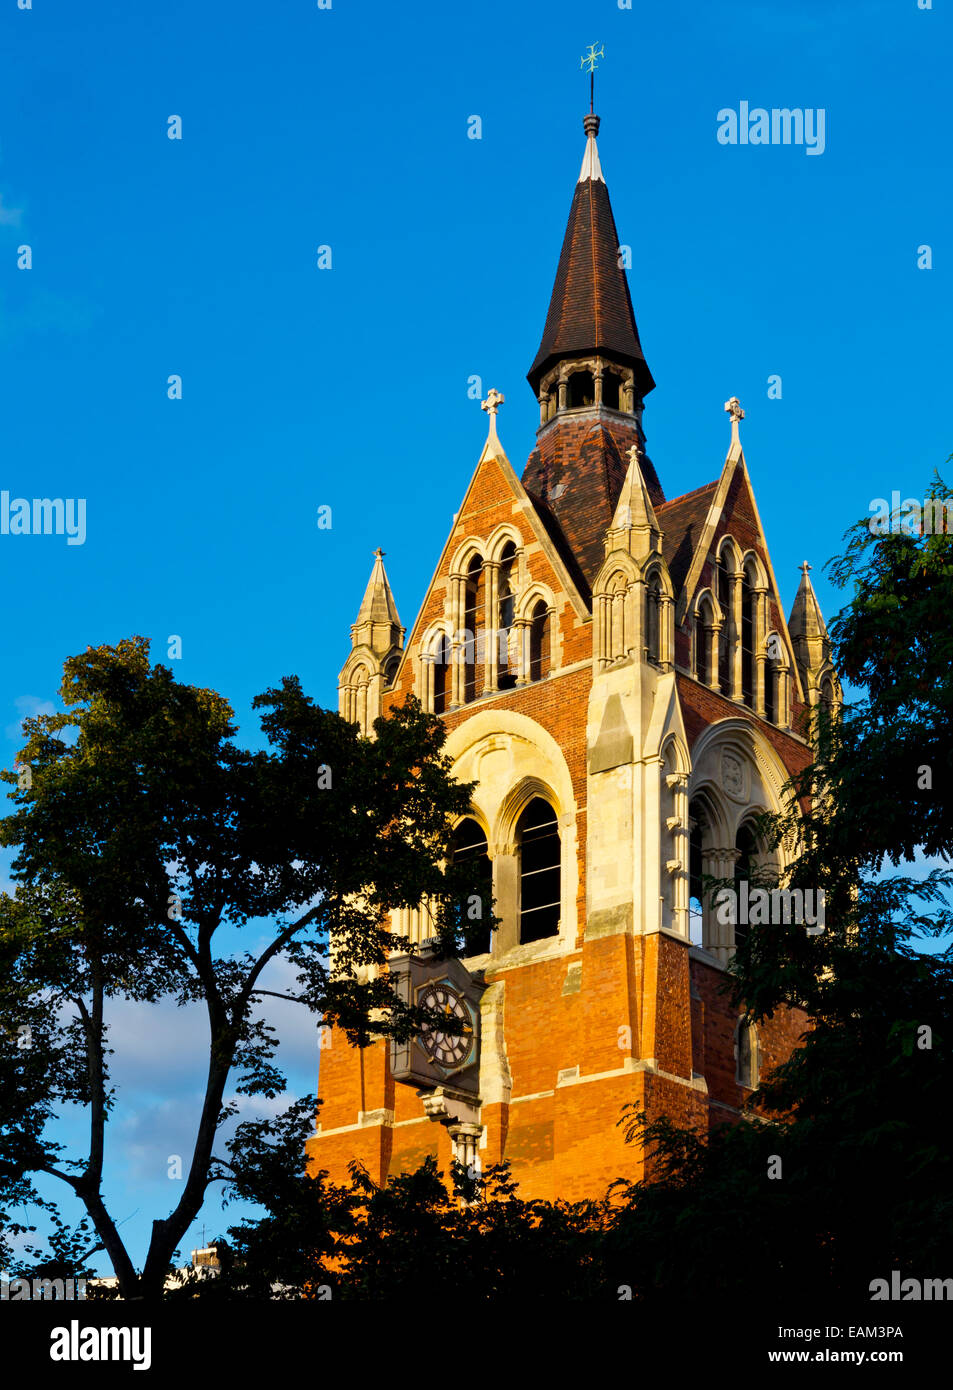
(347, 387)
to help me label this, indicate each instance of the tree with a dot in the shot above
(471, 1238)
(843, 1171)
(142, 832)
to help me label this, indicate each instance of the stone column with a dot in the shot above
(761, 608)
(666, 636)
(735, 668)
(466, 1143)
(522, 648)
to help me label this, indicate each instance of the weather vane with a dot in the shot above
(596, 51)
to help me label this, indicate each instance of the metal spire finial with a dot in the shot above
(596, 51)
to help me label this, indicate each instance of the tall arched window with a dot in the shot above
(537, 835)
(653, 609)
(745, 866)
(441, 675)
(724, 645)
(469, 846)
(771, 683)
(746, 1054)
(539, 642)
(610, 390)
(473, 622)
(360, 679)
(748, 625)
(704, 635)
(506, 602)
(827, 695)
(696, 911)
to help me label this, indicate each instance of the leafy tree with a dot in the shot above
(142, 833)
(418, 1235)
(858, 1116)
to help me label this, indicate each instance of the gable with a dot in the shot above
(497, 508)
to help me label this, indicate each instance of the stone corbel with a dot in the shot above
(451, 1107)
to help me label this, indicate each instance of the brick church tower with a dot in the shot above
(616, 674)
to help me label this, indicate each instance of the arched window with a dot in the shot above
(610, 390)
(581, 390)
(506, 601)
(537, 835)
(653, 609)
(441, 676)
(724, 645)
(360, 680)
(826, 695)
(616, 637)
(469, 846)
(771, 682)
(539, 642)
(704, 634)
(696, 911)
(745, 866)
(746, 1054)
(473, 623)
(748, 600)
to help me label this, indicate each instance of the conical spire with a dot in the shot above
(808, 629)
(635, 527)
(590, 310)
(378, 625)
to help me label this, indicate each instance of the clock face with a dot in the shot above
(447, 1050)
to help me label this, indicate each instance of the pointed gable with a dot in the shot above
(682, 520)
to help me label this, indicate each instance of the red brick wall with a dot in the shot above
(561, 1137)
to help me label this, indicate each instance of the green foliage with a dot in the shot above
(415, 1238)
(145, 830)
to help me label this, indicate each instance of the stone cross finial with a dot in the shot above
(804, 568)
(493, 402)
(379, 554)
(635, 454)
(733, 408)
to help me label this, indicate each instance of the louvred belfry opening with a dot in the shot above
(590, 377)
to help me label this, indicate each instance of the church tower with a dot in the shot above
(617, 676)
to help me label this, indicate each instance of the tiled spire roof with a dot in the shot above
(590, 309)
